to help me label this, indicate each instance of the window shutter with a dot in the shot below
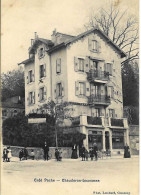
(63, 90)
(86, 67)
(87, 89)
(33, 97)
(27, 80)
(45, 93)
(55, 92)
(44, 70)
(99, 46)
(28, 77)
(90, 43)
(33, 75)
(76, 88)
(91, 64)
(39, 96)
(112, 92)
(76, 64)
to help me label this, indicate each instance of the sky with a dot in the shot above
(21, 18)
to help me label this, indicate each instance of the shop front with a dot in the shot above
(95, 136)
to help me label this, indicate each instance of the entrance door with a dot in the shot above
(107, 144)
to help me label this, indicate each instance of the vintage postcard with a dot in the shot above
(69, 97)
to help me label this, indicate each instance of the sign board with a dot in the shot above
(37, 120)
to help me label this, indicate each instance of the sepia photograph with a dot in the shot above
(69, 97)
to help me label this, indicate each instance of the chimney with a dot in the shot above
(53, 36)
(35, 34)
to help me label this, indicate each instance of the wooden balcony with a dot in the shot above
(98, 76)
(99, 99)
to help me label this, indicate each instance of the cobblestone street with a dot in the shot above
(70, 177)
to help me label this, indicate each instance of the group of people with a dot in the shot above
(23, 154)
(92, 153)
(7, 154)
(84, 153)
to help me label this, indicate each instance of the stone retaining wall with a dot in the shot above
(39, 153)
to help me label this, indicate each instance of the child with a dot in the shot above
(32, 154)
(21, 154)
(91, 153)
(9, 154)
(86, 154)
(5, 151)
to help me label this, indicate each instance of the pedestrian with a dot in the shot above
(83, 153)
(60, 155)
(57, 154)
(25, 153)
(74, 152)
(91, 153)
(21, 154)
(95, 150)
(127, 151)
(46, 150)
(5, 152)
(9, 154)
(32, 154)
(86, 154)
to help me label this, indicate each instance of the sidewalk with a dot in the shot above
(16, 159)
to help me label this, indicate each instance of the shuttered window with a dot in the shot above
(42, 70)
(31, 98)
(42, 93)
(108, 68)
(41, 52)
(111, 113)
(94, 45)
(81, 64)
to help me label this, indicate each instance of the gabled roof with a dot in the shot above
(40, 40)
(123, 54)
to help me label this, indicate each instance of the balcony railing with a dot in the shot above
(94, 120)
(117, 122)
(99, 99)
(92, 75)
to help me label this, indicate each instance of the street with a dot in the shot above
(107, 176)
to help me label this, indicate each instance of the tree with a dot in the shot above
(60, 111)
(119, 27)
(12, 84)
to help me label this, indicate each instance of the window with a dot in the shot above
(95, 90)
(58, 65)
(94, 45)
(111, 91)
(111, 113)
(97, 112)
(81, 64)
(15, 113)
(108, 68)
(31, 98)
(59, 89)
(42, 71)
(81, 88)
(41, 52)
(30, 76)
(41, 93)
(4, 113)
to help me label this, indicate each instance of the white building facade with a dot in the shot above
(84, 70)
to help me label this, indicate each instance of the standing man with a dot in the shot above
(46, 150)
(95, 150)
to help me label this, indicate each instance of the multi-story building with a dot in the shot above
(84, 70)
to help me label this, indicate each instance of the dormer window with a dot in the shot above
(41, 52)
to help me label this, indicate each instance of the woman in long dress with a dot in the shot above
(9, 155)
(74, 152)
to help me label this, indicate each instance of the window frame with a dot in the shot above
(81, 64)
(80, 88)
(58, 65)
(41, 52)
(42, 71)
(59, 89)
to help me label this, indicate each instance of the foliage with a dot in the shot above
(120, 27)
(12, 84)
(132, 114)
(130, 85)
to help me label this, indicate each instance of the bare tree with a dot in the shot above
(119, 27)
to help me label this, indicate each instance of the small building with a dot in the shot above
(85, 71)
(12, 106)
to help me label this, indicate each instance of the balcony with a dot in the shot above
(94, 120)
(98, 76)
(117, 122)
(99, 99)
